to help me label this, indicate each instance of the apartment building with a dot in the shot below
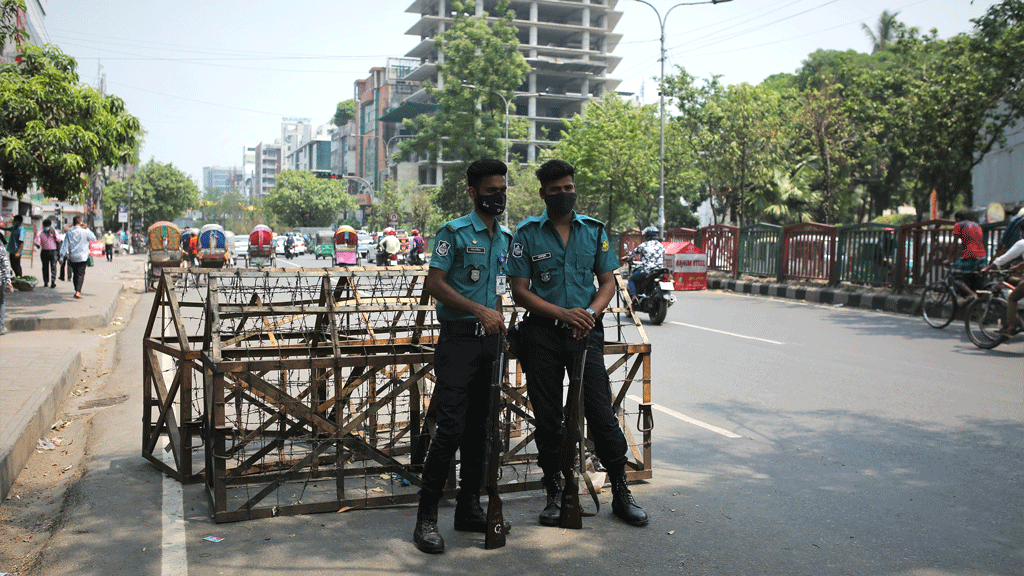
(381, 92)
(268, 166)
(222, 178)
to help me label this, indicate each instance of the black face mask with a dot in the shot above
(561, 203)
(492, 204)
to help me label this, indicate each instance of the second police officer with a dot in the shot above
(466, 277)
(554, 260)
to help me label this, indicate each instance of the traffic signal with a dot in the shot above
(328, 175)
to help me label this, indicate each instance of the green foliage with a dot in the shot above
(158, 192)
(615, 150)
(895, 219)
(54, 129)
(9, 22)
(301, 199)
(231, 210)
(346, 111)
(884, 31)
(390, 199)
(523, 193)
(470, 123)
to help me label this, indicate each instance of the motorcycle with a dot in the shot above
(653, 293)
(289, 251)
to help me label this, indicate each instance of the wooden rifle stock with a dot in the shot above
(495, 536)
(572, 437)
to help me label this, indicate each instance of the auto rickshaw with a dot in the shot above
(164, 251)
(261, 247)
(213, 246)
(346, 246)
(324, 244)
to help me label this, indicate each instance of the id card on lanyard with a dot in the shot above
(500, 279)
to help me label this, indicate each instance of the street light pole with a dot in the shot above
(661, 106)
(507, 102)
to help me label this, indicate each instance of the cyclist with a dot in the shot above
(652, 257)
(972, 254)
(1010, 327)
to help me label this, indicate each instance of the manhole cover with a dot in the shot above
(102, 402)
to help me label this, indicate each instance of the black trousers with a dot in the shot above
(78, 274)
(109, 250)
(549, 354)
(16, 264)
(463, 366)
(48, 259)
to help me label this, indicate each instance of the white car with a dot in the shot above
(279, 245)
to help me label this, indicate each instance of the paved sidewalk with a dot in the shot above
(818, 295)
(41, 355)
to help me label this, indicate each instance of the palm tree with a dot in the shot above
(882, 35)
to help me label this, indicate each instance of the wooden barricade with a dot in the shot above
(302, 391)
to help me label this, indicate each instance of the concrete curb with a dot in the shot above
(86, 322)
(35, 417)
(886, 302)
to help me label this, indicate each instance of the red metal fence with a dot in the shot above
(722, 245)
(808, 251)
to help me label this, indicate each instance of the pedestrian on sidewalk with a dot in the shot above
(60, 241)
(108, 244)
(75, 249)
(5, 286)
(15, 243)
(48, 245)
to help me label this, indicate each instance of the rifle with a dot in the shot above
(495, 536)
(572, 438)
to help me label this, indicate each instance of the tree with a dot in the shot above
(155, 192)
(884, 31)
(54, 130)
(346, 111)
(469, 124)
(523, 193)
(9, 29)
(615, 150)
(390, 200)
(824, 123)
(299, 198)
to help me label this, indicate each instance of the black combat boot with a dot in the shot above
(470, 516)
(552, 512)
(623, 504)
(426, 536)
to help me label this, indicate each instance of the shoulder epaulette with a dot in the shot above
(529, 220)
(591, 220)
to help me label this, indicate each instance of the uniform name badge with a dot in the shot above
(501, 284)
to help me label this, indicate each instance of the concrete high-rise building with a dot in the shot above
(268, 166)
(381, 92)
(248, 170)
(312, 151)
(221, 178)
(568, 45)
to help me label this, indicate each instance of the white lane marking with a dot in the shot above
(686, 418)
(727, 333)
(173, 551)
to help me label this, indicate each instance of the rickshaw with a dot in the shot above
(189, 258)
(261, 247)
(346, 246)
(213, 246)
(229, 243)
(164, 251)
(324, 244)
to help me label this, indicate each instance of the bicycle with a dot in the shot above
(939, 303)
(988, 313)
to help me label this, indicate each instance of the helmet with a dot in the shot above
(415, 232)
(650, 233)
(389, 231)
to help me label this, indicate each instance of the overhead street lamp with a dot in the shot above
(507, 102)
(661, 105)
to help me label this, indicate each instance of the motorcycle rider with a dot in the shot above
(388, 246)
(416, 248)
(289, 247)
(652, 257)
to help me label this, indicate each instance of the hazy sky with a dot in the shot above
(207, 78)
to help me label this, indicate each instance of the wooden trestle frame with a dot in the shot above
(308, 390)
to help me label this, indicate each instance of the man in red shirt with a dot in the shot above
(973, 255)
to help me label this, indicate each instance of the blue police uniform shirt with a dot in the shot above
(561, 275)
(473, 259)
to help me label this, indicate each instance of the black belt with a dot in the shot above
(462, 328)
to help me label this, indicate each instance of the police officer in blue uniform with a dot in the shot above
(554, 259)
(466, 278)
